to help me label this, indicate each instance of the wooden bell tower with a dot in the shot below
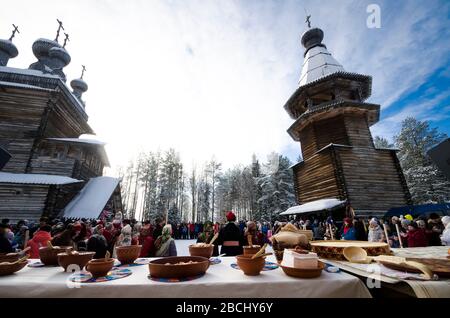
(332, 123)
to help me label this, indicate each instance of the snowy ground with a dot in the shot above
(183, 247)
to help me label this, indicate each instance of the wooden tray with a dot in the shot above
(440, 267)
(303, 273)
(335, 249)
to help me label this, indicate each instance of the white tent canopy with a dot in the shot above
(314, 206)
(91, 200)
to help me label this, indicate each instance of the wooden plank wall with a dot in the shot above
(372, 179)
(20, 117)
(22, 201)
(358, 131)
(321, 133)
(53, 166)
(331, 130)
(315, 179)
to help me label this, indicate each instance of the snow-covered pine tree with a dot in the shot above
(425, 181)
(277, 187)
(382, 143)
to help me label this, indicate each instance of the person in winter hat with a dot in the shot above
(348, 232)
(230, 237)
(445, 238)
(415, 237)
(376, 234)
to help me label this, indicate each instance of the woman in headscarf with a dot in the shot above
(125, 236)
(165, 244)
(40, 239)
(376, 234)
(147, 241)
(256, 236)
(65, 238)
(445, 238)
(207, 235)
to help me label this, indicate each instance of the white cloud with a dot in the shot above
(211, 77)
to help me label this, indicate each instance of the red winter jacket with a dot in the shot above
(40, 239)
(148, 246)
(417, 238)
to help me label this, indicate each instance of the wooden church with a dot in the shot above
(52, 171)
(332, 120)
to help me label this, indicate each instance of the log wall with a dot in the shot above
(22, 201)
(316, 179)
(372, 179)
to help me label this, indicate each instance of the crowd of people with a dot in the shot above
(402, 231)
(98, 236)
(158, 238)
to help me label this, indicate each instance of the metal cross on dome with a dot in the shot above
(16, 29)
(66, 39)
(60, 26)
(308, 20)
(83, 69)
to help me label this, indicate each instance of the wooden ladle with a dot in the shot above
(214, 238)
(260, 252)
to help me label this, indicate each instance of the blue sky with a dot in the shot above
(210, 78)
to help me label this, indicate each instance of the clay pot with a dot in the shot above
(8, 269)
(165, 267)
(9, 257)
(249, 266)
(80, 259)
(251, 250)
(206, 251)
(100, 267)
(128, 254)
(49, 255)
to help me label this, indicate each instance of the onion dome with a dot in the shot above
(318, 62)
(7, 51)
(79, 86)
(52, 57)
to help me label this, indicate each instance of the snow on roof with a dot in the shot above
(80, 140)
(26, 72)
(31, 178)
(3, 83)
(318, 63)
(314, 206)
(91, 200)
(333, 145)
(91, 142)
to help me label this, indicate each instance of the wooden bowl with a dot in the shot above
(355, 254)
(49, 255)
(128, 254)
(251, 250)
(303, 273)
(9, 257)
(8, 269)
(203, 251)
(80, 259)
(249, 266)
(100, 267)
(165, 267)
(335, 249)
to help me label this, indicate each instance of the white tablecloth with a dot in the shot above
(220, 281)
